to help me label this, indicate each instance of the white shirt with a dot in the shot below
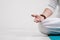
(52, 5)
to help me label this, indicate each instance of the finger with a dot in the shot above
(36, 21)
(33, 15)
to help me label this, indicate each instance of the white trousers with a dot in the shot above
(50, 26)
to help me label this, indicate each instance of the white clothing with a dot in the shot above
(52, 4)
(52, 25)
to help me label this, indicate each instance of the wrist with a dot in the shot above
(43, 16)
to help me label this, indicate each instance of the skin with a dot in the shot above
(37, 18)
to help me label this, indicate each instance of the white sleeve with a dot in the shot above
(52, 4)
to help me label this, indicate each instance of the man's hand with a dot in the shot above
(47, 12)
(37, 18)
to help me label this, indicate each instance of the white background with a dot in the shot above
(16, 22)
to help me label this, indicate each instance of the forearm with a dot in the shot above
(47, 12)
(51, 6)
